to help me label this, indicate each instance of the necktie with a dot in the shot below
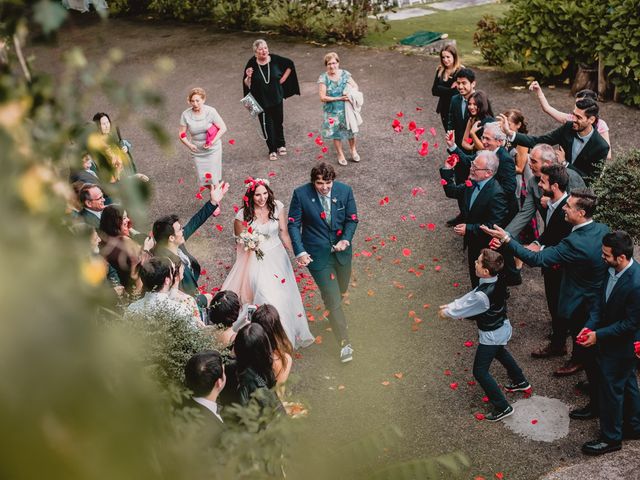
(474, 193)
(327, 208)
(464, 108)
(611, 282)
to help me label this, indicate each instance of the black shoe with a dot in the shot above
(496, 415)
(583, 387)
(517, 387)
(598, 447)
(452, 222)
(584, 413)
(514, 280)
(630, 435)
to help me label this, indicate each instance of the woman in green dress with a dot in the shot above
(334, 85)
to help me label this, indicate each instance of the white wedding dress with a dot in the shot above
(270, 280)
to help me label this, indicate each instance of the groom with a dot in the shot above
(322, 221)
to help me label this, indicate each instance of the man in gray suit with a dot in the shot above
(541, 155)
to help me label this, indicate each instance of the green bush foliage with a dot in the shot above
(618, 190)
(554, 37)
(486, 37)
(620, 47)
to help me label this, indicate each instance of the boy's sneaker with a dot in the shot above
(346, 353)
(517, 387)
(496, 416)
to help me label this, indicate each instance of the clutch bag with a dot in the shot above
(251, 105)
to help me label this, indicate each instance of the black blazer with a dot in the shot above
(442, 89)
(590, 159)
(457, 119)
(557, 228)
(210, 426)
(580, 255)
(617, 321)
(489, 208)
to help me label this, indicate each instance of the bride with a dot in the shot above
(262, 273)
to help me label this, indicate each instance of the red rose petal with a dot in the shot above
(271, 174)
(453, 386)
(323, 215)
(412, 126)
(534, 421)
(443, 181)
(468, 183)
(199, 196)
(310, 134)
(232, 141)
(207, 175)
(219, 228)
(325, 149)
(399, 114)
(406, 252)
(479, 416)
(432, 131)
(431, 226)
(499, 475)
(485, 399)
(456, 284)
(447, 372)
(468, 343)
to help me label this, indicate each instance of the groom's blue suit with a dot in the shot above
(311, 233)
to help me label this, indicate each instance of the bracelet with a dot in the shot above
(505, 239)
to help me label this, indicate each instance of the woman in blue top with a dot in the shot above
(332, 88)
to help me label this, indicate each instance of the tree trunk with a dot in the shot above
(585, 78)
(602, 79)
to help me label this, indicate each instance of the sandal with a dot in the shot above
(273, 156)
(282, 151)
(356, 157)
(342, 160)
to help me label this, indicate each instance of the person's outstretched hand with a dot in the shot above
(218, 192)
(495, 232)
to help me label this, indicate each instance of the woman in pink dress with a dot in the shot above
(263, 273)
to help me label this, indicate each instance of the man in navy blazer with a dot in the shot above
(322, 221)
(583, 271)
(613, 327)
(483, 203)
(584, 148)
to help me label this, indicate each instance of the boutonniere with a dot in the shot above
(313, 200)
(334, 200)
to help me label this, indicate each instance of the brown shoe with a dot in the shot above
(549, 351)
(568, 368)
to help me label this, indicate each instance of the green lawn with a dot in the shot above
(459, 24)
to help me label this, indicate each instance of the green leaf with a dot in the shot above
(49, 15)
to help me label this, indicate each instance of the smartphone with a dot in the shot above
(250, 311)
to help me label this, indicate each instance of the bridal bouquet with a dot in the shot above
(252, 240)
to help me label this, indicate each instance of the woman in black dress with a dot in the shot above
(270, 79)
(444, 85)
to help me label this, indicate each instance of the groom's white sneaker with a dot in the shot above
(346, 353)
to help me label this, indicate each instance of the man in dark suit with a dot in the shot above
(205, 377)
(582, 269)
(553, 184)
(170, 235)
(465, 81)
(539, 156)
(613, 326)
(92, 200)
(584, 148)
(483, 201)
(322, 221)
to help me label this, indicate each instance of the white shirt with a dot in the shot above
(576, 227)
(209, 405)
(97, 213)
(159, 303)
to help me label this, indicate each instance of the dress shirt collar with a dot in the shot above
(554, 205)
(617, 275)
(576, 227)
(482, 183)
(328, 195)
(97, 213)
(489, 280)
(209, 405)
(585, 138)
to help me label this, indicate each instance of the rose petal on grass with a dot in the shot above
(453, 386)
(468, 343)
(406, 252)
(479, 416)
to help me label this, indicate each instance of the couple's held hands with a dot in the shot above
(304, 260)
(218, 192)
(442, 312)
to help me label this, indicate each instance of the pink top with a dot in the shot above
(601, 125)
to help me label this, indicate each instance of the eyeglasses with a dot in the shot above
(101, 197)
(473, 167)
(487, 139)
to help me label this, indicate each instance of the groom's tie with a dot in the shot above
(327, 208)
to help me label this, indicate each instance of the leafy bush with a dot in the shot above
(618, 190)
(188, 10)
(621, 49)
(486, 37)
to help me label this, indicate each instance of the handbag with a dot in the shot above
(211, 134)
(252, 105)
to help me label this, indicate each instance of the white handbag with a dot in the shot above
(251, 105)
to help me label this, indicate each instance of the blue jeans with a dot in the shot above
(484, 356)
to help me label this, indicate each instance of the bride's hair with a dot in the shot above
(249, 208)
(268, 318)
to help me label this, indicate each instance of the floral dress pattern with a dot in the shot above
(334, 124)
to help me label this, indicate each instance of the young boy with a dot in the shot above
(486, 304)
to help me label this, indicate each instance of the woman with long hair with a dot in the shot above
(268, 318)
(262, 272)
(480, 113)
(444, 83)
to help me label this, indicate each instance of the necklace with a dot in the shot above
(268, 77)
